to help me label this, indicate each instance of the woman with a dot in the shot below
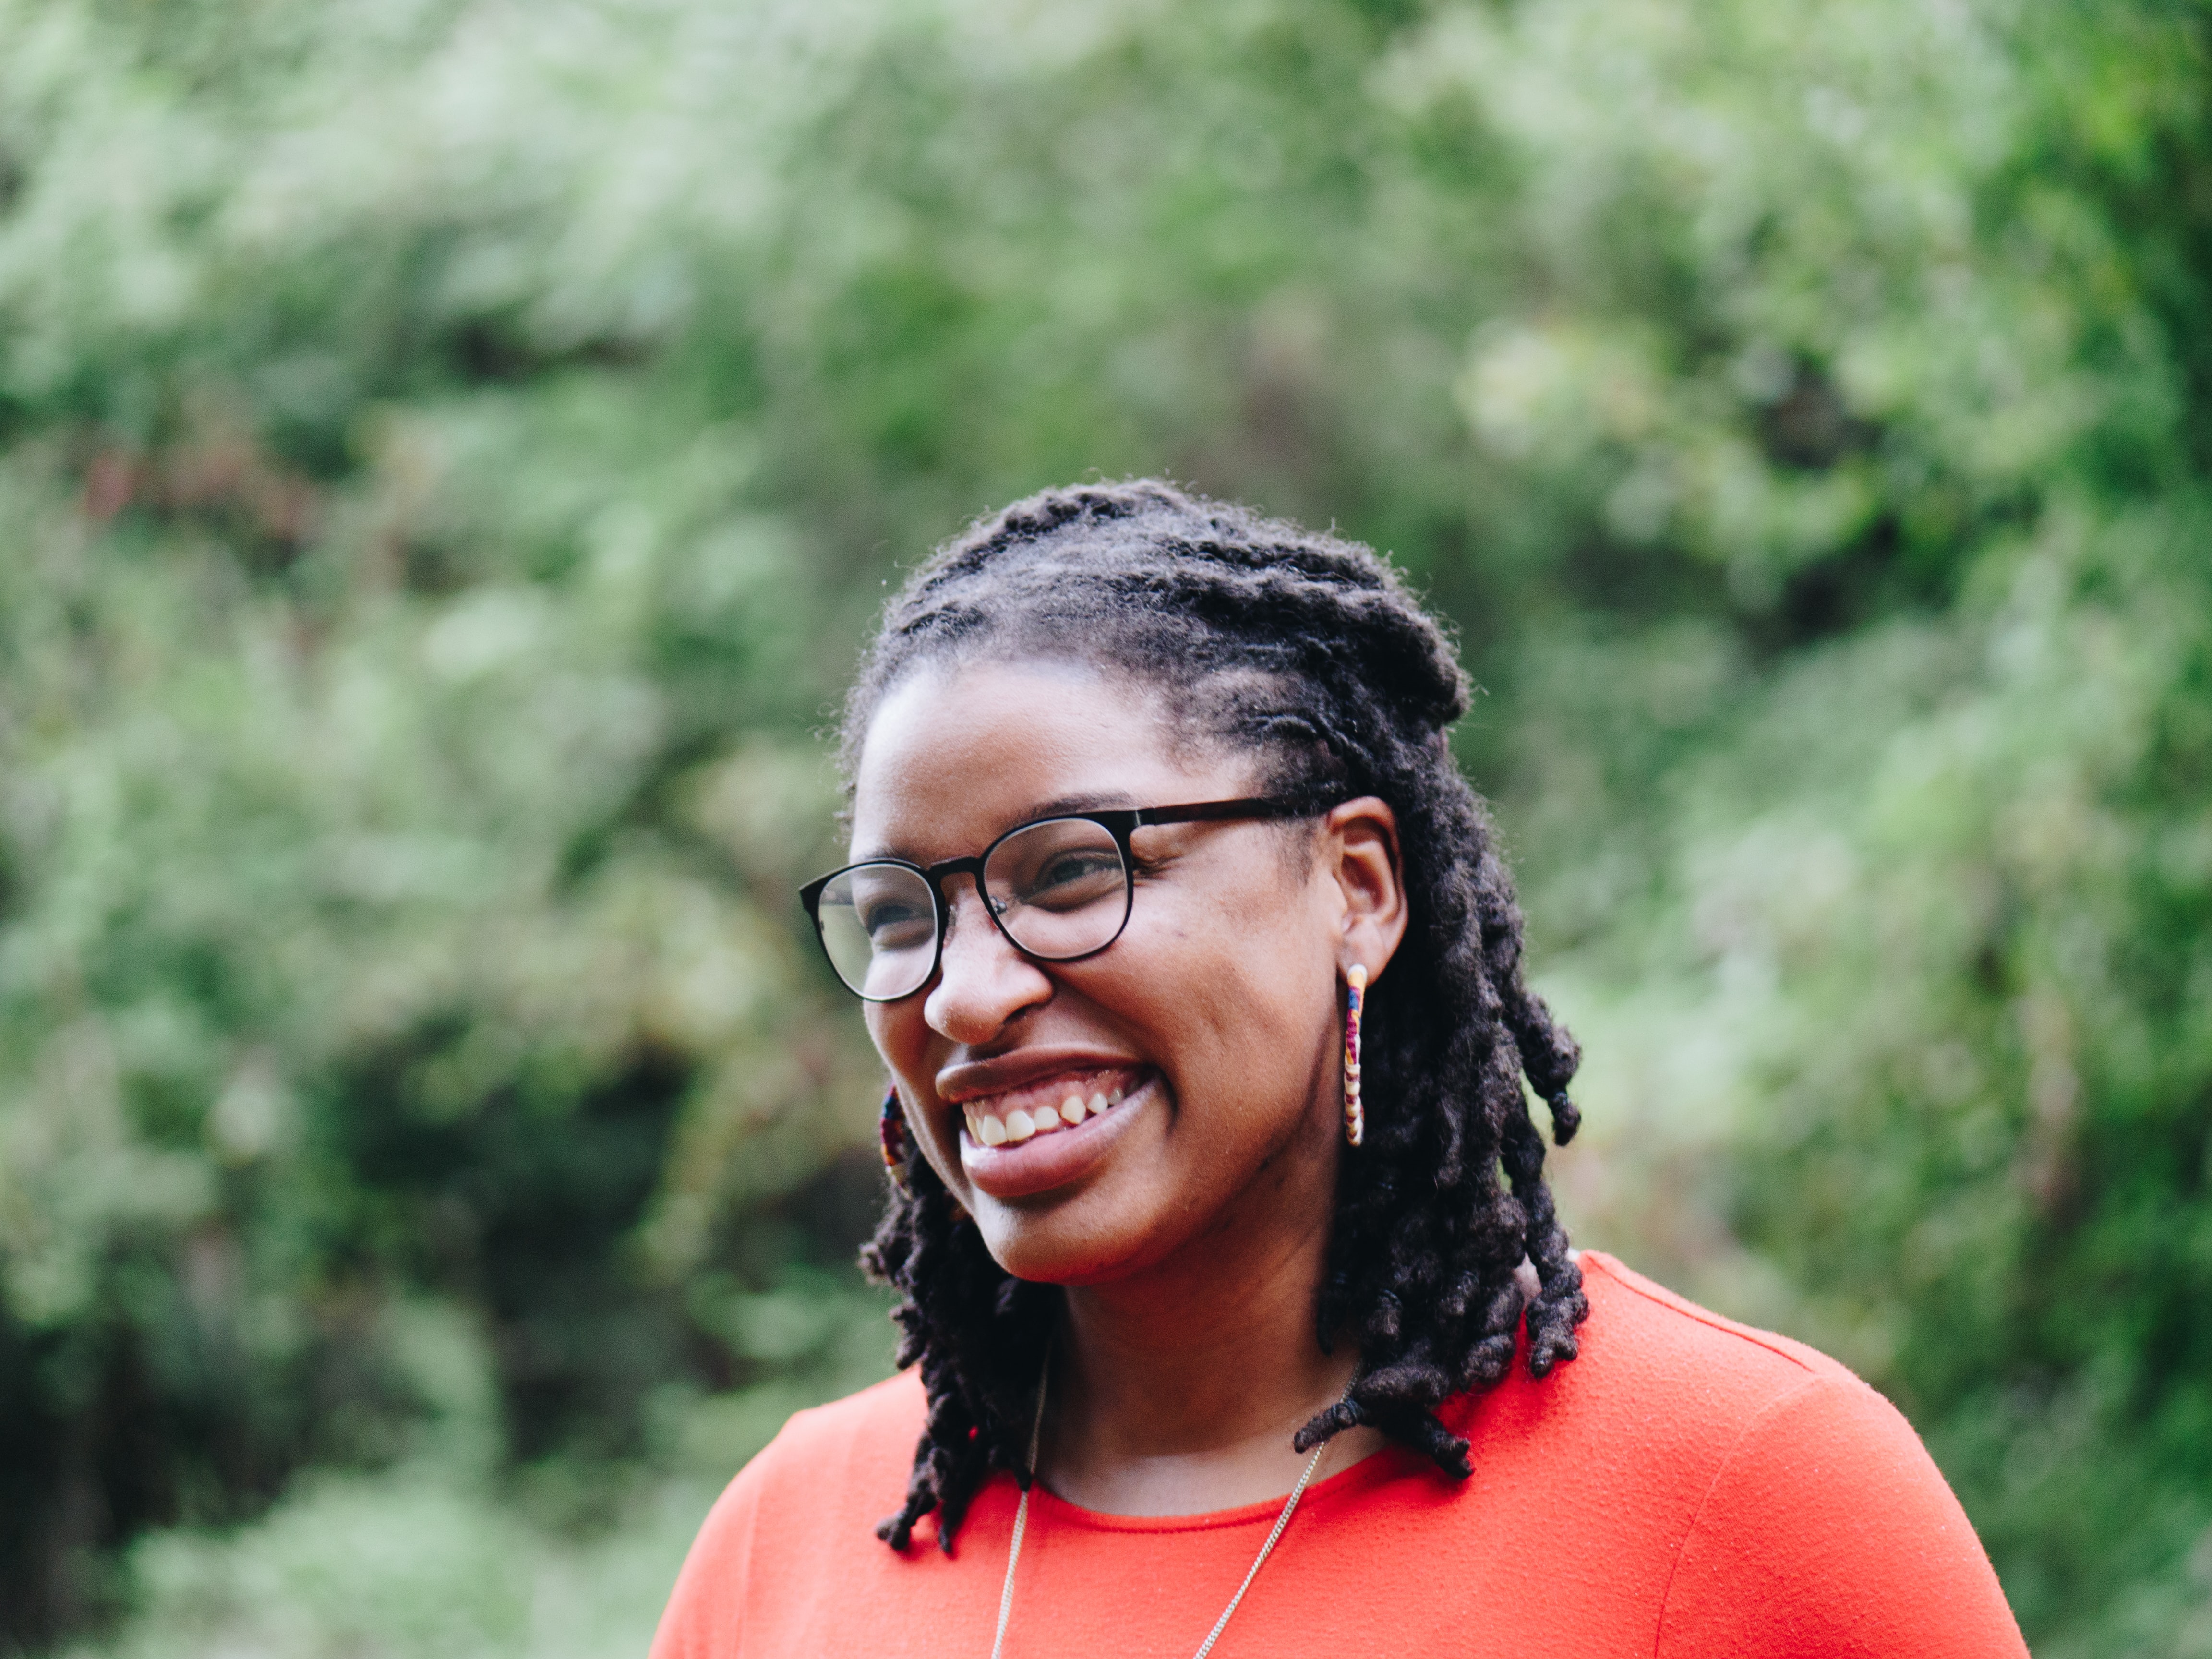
(1215, 1270)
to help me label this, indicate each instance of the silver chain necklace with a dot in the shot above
(1022, 1519)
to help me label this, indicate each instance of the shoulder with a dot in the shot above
(837, 1465)
(1756, 1401)
(1808, 1517)
(831, 1474)
(1660, 1389)
(1666, 1341)
(878, 1423)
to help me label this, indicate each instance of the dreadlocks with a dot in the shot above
(1308, 652)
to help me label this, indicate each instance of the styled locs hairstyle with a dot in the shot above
(1306, 651)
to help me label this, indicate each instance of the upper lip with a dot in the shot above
(978, 1078)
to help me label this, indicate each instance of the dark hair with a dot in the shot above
(1307, 651)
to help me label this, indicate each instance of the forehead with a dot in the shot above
(953, 756)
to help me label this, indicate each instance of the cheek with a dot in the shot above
(902, 1040)
(898, 1035)
(1239, 992)
(901, 1037)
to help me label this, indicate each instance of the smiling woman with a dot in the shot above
(1146, 789)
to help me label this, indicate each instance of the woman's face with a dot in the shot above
(1208, 1030)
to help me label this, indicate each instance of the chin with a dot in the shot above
(1059, 1245)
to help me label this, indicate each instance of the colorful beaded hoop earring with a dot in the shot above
(1355, 1115)
(890, 1135)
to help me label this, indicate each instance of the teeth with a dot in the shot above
(1019, 1126)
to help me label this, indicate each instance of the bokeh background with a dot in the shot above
(451, 451)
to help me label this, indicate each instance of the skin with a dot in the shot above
(1189, 1229)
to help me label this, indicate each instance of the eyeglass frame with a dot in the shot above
(1118, 822)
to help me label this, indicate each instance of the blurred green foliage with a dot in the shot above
(449, 454)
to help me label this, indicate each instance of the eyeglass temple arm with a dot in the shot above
(1251, 806)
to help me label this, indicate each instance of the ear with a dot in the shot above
(1357, 850)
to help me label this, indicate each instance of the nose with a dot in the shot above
(982, 982)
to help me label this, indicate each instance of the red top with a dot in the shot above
(1688, 1486)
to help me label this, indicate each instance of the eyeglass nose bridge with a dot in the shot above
(948, 904)
(986, 949)
(937, 875)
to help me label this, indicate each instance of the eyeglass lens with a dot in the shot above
(1059, 888)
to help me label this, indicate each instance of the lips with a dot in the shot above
(1020, 1141)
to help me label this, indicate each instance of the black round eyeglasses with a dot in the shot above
(1058, 888)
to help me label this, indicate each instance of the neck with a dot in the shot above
(1177, 1390)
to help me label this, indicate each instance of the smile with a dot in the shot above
(1042, 1109)
(1042, 1136)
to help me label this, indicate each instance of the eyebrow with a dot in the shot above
(1059, 806)
(1081, 802)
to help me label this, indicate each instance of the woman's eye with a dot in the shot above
(896, 927)
(1075, 878)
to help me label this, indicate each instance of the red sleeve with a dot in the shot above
(702, 1618)
(1829, 1532)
